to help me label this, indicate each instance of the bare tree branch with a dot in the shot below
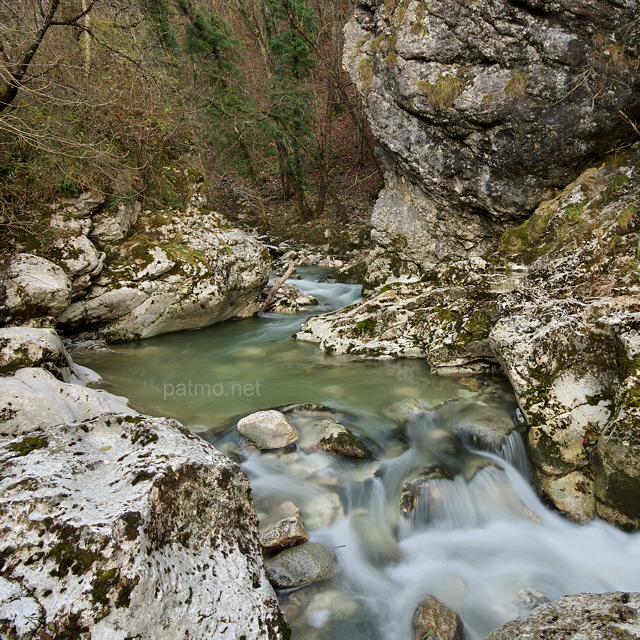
(19, 70)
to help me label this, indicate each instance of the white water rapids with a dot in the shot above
(469, 529)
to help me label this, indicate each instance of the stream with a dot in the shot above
(445, 508)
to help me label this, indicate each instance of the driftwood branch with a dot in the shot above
(630, 121)
(270, 299)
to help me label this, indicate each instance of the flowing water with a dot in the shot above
(445, 509)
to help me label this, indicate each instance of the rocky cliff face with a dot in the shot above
(482, 108)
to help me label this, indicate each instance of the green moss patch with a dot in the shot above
(27, 445)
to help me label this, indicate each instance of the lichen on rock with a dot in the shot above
(124, 526)
(481, 109)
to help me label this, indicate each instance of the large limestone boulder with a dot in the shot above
(569, 342)
(123, 527)
(190, 270)
(22, 347)
(34, 287)
(446, 318)
(34, 398)
(482, 108)
(594, 616)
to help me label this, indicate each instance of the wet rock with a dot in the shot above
(290, 299)
(131, 526)
(434, 620)
(301, 565)
(34, 287)
(335, 438)
(528, 600)
(267, 429)
(285, 533)
(413, 490)
(602, 616)
(487, 431)
(572, 494)
(323, 510)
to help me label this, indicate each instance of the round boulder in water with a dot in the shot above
(300, 565)
(267, 430)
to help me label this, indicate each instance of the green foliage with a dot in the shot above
(159, 15)
(206, 33)
(28, 444)
(163, 82)
(294, 27)
(68, 188)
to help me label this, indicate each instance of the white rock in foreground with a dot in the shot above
(126, 527)
(30, 347)
(34, 398)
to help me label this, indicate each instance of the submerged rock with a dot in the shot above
(120, 527)
(267, 429)
(594, 616)
(300, 565)
(432, 619)
(400, 411)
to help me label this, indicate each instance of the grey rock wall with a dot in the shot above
(483, 108)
